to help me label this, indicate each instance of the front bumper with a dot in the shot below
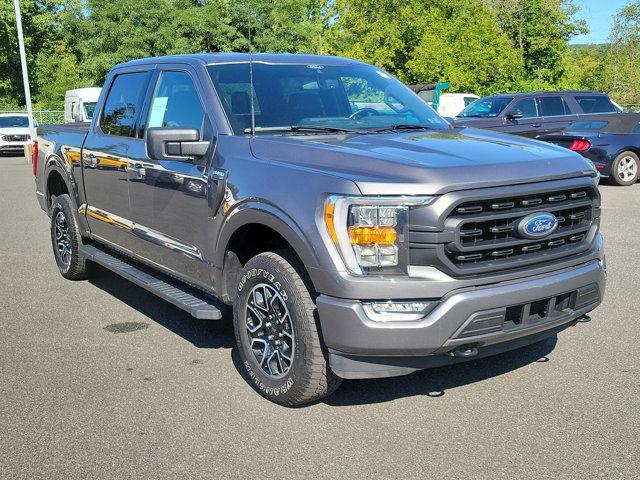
(489, 319)
(12, 149)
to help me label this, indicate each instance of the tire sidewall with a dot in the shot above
(614, 169)
(283, 388)
(62, 204)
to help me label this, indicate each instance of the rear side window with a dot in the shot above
(595, 104)
(553, 107)
(175, 102)
(122, 105)
(595, 125)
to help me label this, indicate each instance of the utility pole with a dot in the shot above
(25, 73)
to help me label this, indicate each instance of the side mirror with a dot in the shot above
(182, 144)
(515, 115)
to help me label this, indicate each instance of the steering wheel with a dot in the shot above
(364, 112)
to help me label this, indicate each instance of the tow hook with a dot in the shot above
(465, 351)
(584, 319)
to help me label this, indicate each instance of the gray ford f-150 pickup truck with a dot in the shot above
(355, 232)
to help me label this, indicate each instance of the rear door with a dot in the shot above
(169, 198)
(109, 149)
(556, 114)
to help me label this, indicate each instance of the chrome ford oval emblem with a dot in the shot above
(537, 225)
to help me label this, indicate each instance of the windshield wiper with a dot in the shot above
(402, 126)
(303, 128)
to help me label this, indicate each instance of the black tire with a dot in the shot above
(625, 180)
(308, 377)
(71, 264)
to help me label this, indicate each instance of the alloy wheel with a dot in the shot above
(270, 330)
(63, 240)
(627, 168)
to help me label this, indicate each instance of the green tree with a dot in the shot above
(622, 69)
(585, 67)
(455, 40)
(541, 30)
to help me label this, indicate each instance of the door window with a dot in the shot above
(175, 102)
(553, 107)
(123, 104)
(528, 107)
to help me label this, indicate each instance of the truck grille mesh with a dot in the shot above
(478, 230)
(15, 138)
(487, 231)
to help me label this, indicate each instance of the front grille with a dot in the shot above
(481, 235)
(15, 138)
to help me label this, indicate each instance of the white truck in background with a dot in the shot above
(80, 103)
(451, 104)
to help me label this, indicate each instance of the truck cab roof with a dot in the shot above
(218, 58)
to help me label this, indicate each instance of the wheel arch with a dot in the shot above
(253, 229)
(60, 179)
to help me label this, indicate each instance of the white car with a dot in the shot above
(14, 133)
(451, 104)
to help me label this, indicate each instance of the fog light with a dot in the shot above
(399, 311)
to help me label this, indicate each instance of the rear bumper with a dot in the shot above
(466, 319)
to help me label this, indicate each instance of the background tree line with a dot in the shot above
(480, 46)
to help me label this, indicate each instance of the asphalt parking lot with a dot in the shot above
(100, 379)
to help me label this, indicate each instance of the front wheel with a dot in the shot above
(276, 332)
(624, 170)
(66, 239)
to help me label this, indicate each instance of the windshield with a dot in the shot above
(14, 121)
(325, 97)
(89, 108)
(486, 107)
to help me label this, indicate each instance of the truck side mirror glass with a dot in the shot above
(181, 144)
(514, 115)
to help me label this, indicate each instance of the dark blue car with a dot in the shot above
(611, 142)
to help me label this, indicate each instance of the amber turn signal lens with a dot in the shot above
(329, 210)
(372, 235)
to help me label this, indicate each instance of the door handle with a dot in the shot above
(536, 125)
(90, 160)
(137, 170)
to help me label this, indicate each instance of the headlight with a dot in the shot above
(370, 232)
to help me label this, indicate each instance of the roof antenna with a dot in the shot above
(253, 112)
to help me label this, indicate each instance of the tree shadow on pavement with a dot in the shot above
(435, 382)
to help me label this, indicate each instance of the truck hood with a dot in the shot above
(424, 162)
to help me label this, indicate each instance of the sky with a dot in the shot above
(599, 16)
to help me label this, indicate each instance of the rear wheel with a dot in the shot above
(278, 339)
(624, 170)
(66, 239)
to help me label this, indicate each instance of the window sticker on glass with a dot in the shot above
(315, 67)
(158, 108)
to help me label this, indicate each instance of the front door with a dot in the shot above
(106, 156)
(169, 198)
(530, 124)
